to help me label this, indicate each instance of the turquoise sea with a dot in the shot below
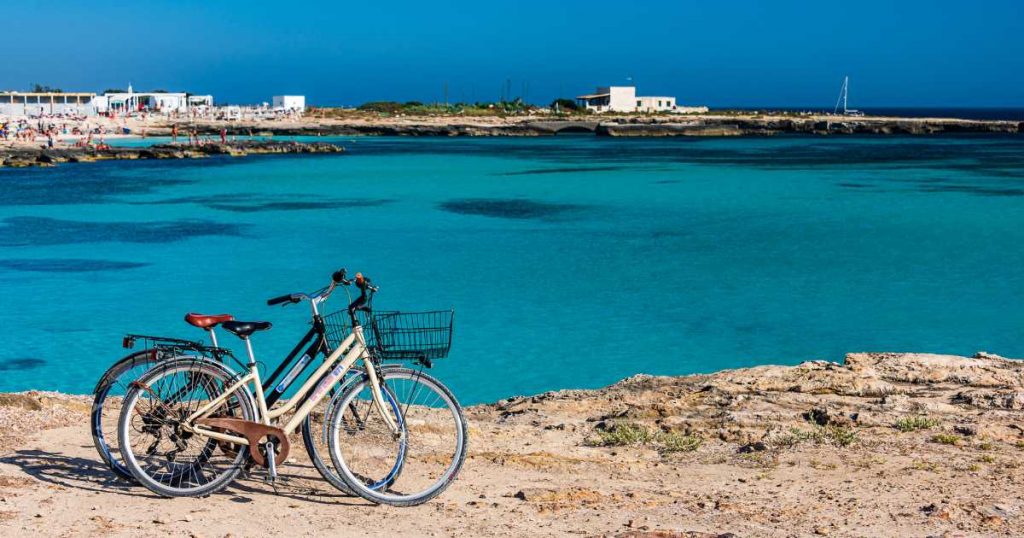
(570, 261)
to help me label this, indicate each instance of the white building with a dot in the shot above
(625, 99)
(290, 102)
(39, 103)
(655, 104)
(165, 102)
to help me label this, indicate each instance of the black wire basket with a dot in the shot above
(417, 336)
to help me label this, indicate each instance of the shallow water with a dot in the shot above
(570, 261)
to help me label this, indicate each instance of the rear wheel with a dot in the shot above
(106, 407)
(159, 451)
(432, 439)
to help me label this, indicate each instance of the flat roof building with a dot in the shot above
(290, 102)
(51, 103)
(132, 101)
(624, 99)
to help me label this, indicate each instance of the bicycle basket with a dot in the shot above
(411, 335)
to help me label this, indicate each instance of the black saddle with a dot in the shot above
(243, 329)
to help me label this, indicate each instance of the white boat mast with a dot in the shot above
(842, 96)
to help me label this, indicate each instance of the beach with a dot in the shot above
(880, 444)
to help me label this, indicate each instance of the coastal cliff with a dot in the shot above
(883, 444)
(23, 156)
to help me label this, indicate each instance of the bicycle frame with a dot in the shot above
(309, 394)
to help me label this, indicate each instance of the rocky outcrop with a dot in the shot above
(27, 156)
(635, 126)
(767, 126)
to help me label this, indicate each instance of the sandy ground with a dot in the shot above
(769, 451)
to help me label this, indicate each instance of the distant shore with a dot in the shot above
(739, 124)
(219, 136)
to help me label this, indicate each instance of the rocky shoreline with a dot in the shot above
(628, 126)
(24, 156)
(882, 444)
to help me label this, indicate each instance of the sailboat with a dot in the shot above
(842, 100)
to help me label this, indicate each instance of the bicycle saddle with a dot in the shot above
(243, 329)
(204, 321)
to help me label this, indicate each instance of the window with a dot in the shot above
(639, 104)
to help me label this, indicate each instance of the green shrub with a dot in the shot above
(910, 424)
(834, 435)
(621, 435)
(946, 439)
(678, 442)
(840, 436)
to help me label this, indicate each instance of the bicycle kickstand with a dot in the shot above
(271, 465)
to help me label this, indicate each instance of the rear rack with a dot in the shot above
(166, 344)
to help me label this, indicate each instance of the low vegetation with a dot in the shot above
(624, 434)
(947, 439)
(915, 423)
(820, 435)
(678, 442)
(629, 434)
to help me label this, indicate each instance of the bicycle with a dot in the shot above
(187, 427)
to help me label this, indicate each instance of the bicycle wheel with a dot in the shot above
(163, 456)
(432, 439)
(316, 434)
(106, 407)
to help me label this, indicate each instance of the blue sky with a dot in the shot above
(720, 53)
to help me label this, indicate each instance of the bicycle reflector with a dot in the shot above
(128, 342)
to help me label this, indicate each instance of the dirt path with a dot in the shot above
(771, 451)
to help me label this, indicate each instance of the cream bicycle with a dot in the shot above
(395, 435)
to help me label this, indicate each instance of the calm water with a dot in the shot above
(571, 261)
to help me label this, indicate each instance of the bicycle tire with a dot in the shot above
(384, 495)
(111, 380)
(243, 403)
(312, 433)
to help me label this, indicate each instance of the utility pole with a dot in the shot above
(446, 95)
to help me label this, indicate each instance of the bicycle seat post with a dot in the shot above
(248, 347)
(213, 337)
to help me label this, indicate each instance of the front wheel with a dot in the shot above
(431, 441)
(316, 432)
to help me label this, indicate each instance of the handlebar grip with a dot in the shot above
(363, 283)
(282, 299)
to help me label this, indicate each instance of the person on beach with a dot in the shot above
(223, 135)
(174, 133)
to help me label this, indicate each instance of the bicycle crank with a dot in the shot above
(253, 432)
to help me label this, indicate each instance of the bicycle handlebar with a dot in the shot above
(338, 277)
(291, 298)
